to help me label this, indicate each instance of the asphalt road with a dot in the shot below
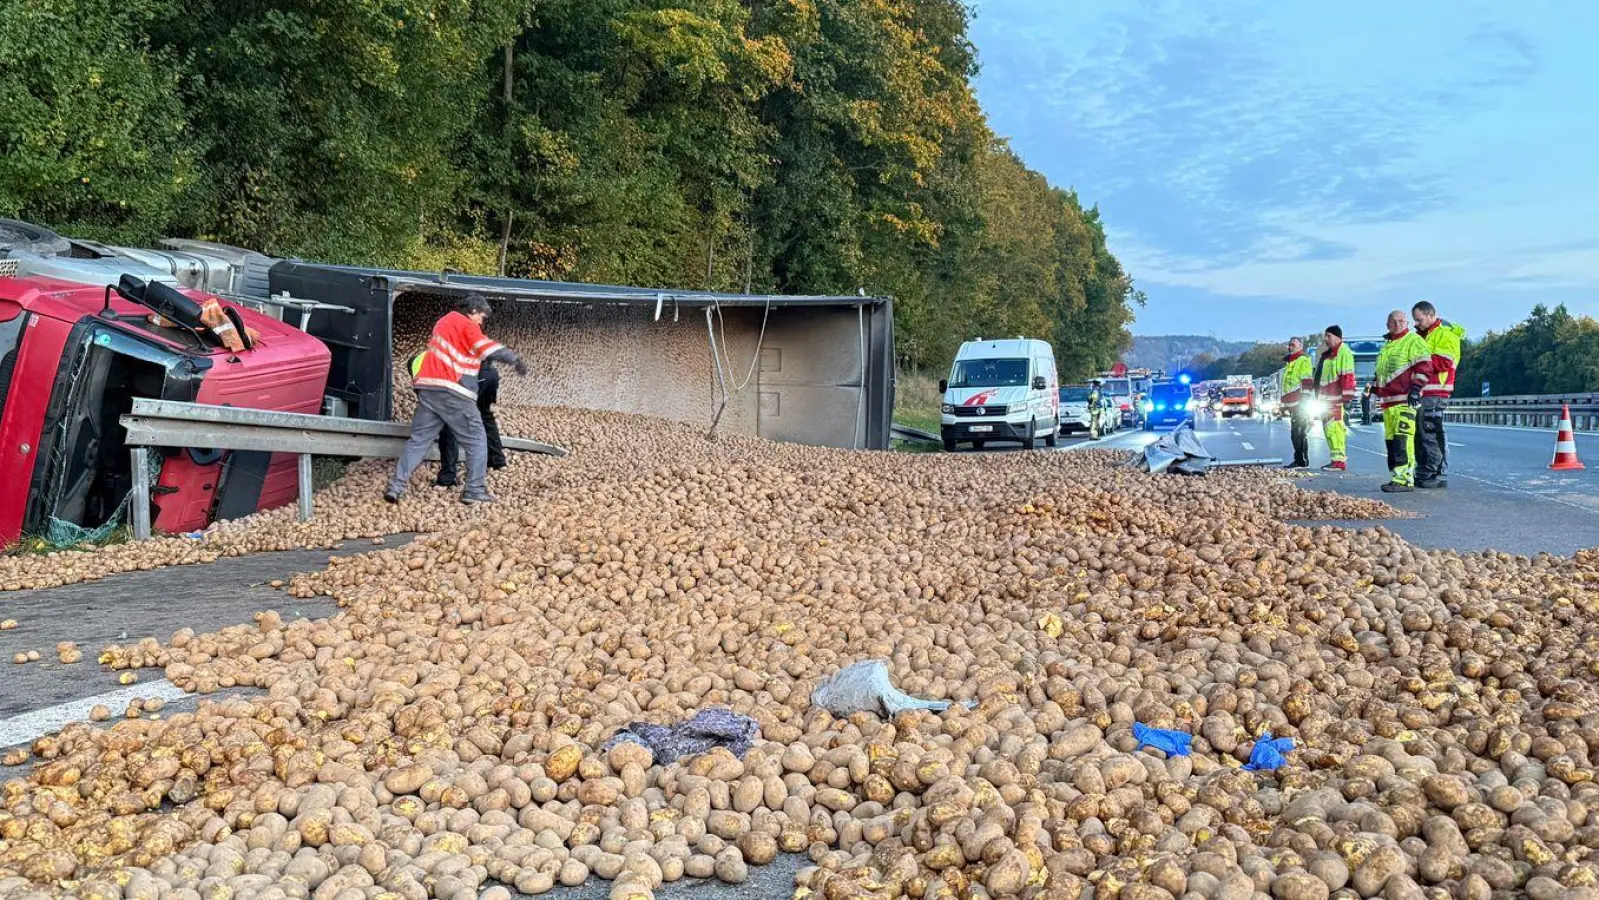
(1502, 495)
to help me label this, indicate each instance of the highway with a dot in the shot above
(1502, 495)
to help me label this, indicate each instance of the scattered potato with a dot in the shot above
(443, 735)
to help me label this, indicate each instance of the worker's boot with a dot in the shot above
(391, 497)
(1394, 487)
(1433, 483)
(484, 497)
(1336, 465)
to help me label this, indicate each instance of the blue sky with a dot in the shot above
(1267, 168)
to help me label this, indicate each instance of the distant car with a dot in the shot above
(1075, 413)
(1168, 404)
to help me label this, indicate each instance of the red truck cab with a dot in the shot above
(73, 357)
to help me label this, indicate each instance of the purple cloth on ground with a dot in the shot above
(707, 729)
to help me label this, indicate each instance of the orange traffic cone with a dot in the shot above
(1566, 444)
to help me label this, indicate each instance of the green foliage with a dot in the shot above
(1256, 362)
(798, 146)
(1552, 352)
(92, 135)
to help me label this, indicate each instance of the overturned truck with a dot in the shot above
(86, 327)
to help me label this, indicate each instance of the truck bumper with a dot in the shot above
(966, 432)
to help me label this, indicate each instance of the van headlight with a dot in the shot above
(947, 409)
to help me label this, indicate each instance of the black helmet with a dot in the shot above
(474, 303)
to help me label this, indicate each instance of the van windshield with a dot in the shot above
(1170, 393)
(1074, 394)
(970, 373)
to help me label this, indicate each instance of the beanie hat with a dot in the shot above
(474, 303)
(1335, 331)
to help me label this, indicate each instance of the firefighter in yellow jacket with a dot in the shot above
(1404, 367)
(1296, 385)
(1432, 448)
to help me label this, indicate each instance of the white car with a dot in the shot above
(1075, 413)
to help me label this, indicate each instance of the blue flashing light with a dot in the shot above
(1183, 378)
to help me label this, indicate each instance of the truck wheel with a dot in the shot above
(949, 445)
(1031, 440)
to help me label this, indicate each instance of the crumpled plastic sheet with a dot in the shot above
(865, 687)
(1268, 753)
(1178, 451)
(701, 733)
(1174, 743)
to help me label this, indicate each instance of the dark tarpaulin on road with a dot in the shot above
(1178, 451)
(707, 729)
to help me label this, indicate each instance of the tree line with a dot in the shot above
(1256, 362)
(792, 146)
(1551, 352)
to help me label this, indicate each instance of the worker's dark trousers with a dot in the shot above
(1432, 448)
(438, 409)
(1299, 433)
(488, 392)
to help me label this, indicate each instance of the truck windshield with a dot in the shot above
(970, 373)
(1118, 387)
(1074, 395)
(1236, 393)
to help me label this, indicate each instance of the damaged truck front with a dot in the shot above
(72, 359)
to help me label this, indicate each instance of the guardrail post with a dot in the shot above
(139, 500)
(305, 487)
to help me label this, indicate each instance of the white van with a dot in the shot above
(1001, 391)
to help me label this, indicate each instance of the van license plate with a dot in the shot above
(982, 428)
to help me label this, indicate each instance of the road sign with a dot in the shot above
(1485, 389)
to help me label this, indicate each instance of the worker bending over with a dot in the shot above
(446, 385)
(1335, 385)
(1432, 448)
(488, 394)
(1404, 366)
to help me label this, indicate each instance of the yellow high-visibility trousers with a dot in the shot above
(1399, 432)
(1337, 436)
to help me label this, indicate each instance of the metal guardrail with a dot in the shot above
(166, 423)
(906, 433)
(1527, 411)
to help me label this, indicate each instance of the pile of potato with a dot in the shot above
(442, 736)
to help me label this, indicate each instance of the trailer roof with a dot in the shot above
(526, 289)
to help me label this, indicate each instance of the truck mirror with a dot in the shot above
(1039, 383)
(943, 385)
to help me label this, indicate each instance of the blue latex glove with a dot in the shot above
(1268, 753)
(1175, 743)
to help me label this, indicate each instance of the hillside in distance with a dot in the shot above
(1173, 351)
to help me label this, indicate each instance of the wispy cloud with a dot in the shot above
(1235, 147)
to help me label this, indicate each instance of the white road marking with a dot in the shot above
(1453, 444)
(1497, 484)
(1248, 445)
(29, 727)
